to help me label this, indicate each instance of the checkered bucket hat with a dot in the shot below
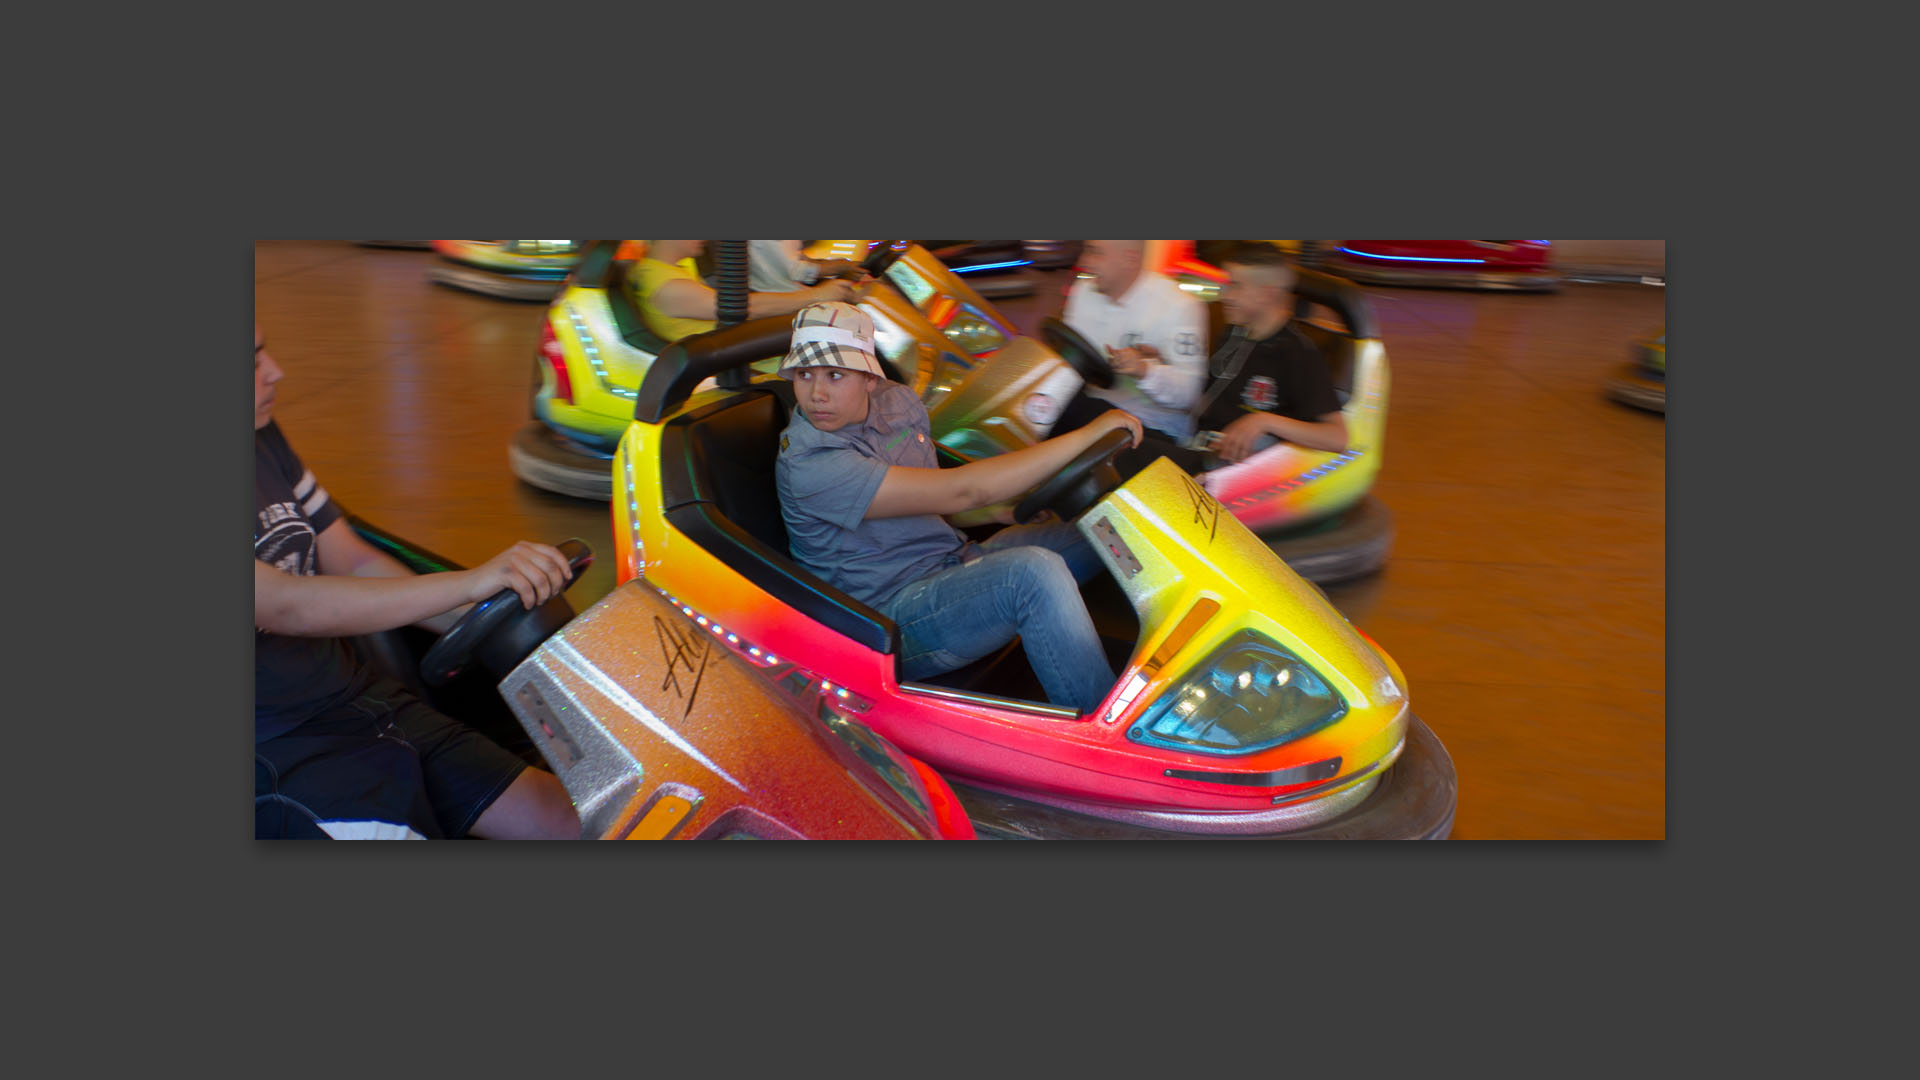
(833, 334)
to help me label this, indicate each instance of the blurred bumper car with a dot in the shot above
(931, 326)
(1312, 507)
(656, 730)
(509, 269)
(1642, 381)
(1523, 265)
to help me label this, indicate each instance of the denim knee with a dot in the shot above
(1039, 571)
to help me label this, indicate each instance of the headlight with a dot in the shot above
(1250, 695)
(973, 333)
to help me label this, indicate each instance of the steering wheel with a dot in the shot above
(1077, 351)
(1080, 483)
(455, 647)
(884, 255)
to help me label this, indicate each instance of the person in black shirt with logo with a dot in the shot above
(1265, 383)
(339, 750)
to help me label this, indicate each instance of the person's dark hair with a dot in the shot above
(1258, 253)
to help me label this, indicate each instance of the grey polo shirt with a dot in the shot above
(828, 479)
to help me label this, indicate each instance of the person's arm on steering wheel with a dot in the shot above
(906, 491)
(345, 552)
(349, 602)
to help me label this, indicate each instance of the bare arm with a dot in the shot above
(1237, 439)
(340, 605)
(693, 300)
(906, 491)
(345, 552)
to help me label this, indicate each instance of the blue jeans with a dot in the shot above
(1027, 584)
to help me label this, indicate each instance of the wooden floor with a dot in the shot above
(1526, 594)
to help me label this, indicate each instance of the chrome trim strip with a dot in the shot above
(1055, 712)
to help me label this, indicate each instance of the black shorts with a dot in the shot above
(385, 758)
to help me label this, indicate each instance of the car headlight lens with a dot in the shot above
(1249, 695)
(973, 333)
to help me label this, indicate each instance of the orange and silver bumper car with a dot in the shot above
(656, 730)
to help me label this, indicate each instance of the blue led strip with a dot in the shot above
(991, 266)
(1406, 258)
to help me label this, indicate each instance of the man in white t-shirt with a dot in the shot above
(1154, 334)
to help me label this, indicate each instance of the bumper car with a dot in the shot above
(930, 325)
(1642, 381)
(1523, 265)
(1053, 254)
(654, 728)
(1312, 507)
(510, 269)
(1246, 706)
(994, 268)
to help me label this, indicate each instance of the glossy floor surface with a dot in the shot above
(1525, 596)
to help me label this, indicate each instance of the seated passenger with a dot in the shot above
(780, 266)
(339, 748)
(1153, 334)
(675, 303)
(863, 499)
(1266, 382)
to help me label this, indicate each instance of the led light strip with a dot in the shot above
(991, 266)
(1293, 482)
(764, 658)
(1407, 258)
(592, 349)
(633, 517)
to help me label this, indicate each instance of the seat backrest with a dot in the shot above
(1338, 350)
(627, 317)
(718, 488)
(734, 450)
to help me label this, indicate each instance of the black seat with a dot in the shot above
(717, 487)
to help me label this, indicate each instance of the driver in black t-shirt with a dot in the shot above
(1266, 382)
(340, 750)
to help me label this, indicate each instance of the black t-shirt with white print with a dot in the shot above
(294, 678)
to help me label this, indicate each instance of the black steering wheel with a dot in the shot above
(1080, 483)
(884, 255)
(1077, 351)
(450, 654)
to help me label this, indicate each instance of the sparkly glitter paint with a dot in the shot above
(658, 728)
